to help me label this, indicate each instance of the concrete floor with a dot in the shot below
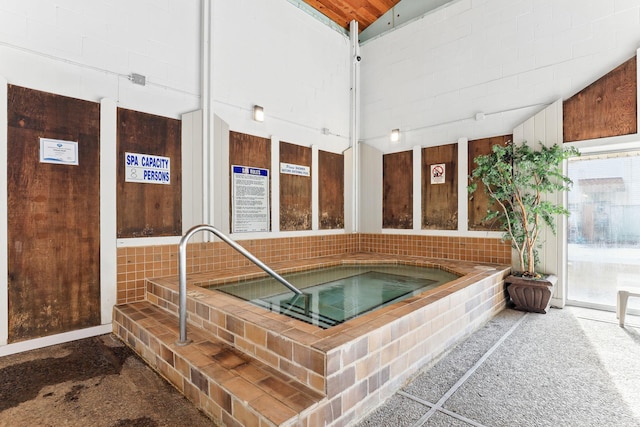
(91, 382)
(491, 379)
(570, 367)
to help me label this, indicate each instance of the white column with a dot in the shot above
(417, 188)
(221, 188)
(463, 193)
(355, 123)
(108, 210)
(192, 176)
(275, 184)
(315, 189)
(370, 207)
(637, 80)
(4, 252)
(206, 99)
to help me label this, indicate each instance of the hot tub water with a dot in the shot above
(336, 294)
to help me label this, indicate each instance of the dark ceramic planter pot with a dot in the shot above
(532, 295)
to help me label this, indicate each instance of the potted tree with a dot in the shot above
(517, 178)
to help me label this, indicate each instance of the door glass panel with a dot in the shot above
(604, 228)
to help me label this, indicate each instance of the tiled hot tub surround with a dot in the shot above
(135, 264)
(361, 362)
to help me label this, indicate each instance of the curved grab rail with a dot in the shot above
(182, 272)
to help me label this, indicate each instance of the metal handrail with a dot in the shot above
(182, 272)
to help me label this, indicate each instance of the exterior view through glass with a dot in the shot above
(604, 229)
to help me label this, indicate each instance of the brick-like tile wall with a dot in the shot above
(136, 264)
(372, 367)
(350, 368)
(474, 249)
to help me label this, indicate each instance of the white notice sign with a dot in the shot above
(58, 151)
(291, 169)
(249, 199)
(147, 169)
(438, 173)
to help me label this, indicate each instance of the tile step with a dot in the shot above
(227, 384)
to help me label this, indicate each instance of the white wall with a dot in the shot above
(506, 58)
(269, 53)
(87, 50)
(265, 52)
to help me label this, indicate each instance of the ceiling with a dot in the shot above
(374, 17)
(342, 12)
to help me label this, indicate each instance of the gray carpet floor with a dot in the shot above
(570, 367)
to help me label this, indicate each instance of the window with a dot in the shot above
(604, 228)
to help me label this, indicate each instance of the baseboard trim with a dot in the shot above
(36, 343)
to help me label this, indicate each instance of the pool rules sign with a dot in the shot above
(249, 199)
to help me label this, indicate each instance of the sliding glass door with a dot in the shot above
(604, 229)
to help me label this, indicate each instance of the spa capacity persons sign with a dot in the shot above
(147, 169)
(250, 199)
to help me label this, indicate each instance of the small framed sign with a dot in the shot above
(291, 169)
(58, 151)
(438, 173)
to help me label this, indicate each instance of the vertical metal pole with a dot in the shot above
(355, 121)
(182, 288)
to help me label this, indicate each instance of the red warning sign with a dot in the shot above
(437, 173)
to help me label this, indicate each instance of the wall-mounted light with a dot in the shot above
(258, 113)
(395, 135)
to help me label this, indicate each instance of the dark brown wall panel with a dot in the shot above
(479, 201)
(440, 201)
(146, 210)
(397, 196)
(331, 190)
(295, 190)
(252, 151)
(249, 150)
(53, 216)
(607, 107)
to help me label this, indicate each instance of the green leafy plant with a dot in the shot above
(517, 177)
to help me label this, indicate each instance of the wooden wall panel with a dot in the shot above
(397, 196)
(479, 201)
(252, 151)
(331, 190)
(249, 150)
(440, 201)
(53, 216)
(607, 107)
(295, 190)
(146, 210)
